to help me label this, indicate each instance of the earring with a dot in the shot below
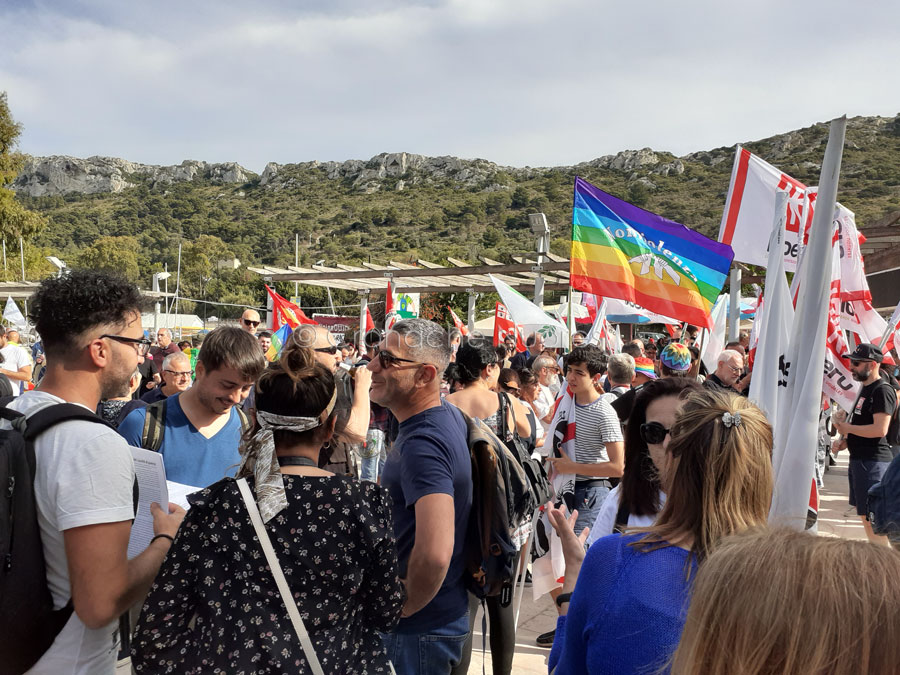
(326, 445)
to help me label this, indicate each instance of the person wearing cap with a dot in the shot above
(866, 428)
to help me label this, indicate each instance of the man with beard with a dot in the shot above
(866, 429)
(198, 431)
(90, 326)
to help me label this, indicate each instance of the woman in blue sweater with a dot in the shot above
(627, 609)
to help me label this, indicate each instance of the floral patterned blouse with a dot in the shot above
(336, 547)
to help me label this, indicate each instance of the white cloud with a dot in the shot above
(525, 82)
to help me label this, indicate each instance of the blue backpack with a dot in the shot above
(883, 504)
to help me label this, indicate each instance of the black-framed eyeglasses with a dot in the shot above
(141, 345)
(386, 360)
(653, 433)
(326, 350)
(179, 373)
(253, 324)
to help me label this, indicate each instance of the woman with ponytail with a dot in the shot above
(215, 606)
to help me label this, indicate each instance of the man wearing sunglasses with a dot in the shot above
(428, 476)
(90, 325)
(176, 377)
(250, 321)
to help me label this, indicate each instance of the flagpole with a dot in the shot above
(570, 319)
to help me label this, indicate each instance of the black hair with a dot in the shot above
(473, 357)
(65, 308)
(232, 347)
(593, 358)
(633, 349)
(372, 339)
(640, 484)
(264, 334)
(526, 376)
(501, 352)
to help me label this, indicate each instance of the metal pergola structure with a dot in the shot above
(526, 275)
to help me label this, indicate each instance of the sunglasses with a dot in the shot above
(253, 324)
(386, 360)
(326, 350)
(653, 433)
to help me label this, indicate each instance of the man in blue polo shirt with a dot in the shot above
(428, 475)
(201, 428)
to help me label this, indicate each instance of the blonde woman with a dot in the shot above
(626, 612)
(753, 603)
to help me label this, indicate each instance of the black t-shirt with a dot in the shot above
(625, 403)
(878, 397)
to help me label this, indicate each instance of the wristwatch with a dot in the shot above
(563, 597)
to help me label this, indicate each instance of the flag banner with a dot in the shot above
(390, 316)
(773, 326)
(406, 305)
(370, 323)
(715, 341)
(754, 328)
(599, 329)
(504, 325)
(460, 326)
(13, 314)
(531, 318)
(284, 311)
(338, 326)
(279, 339)
(797, 420)
(747, 219)
(622, 251)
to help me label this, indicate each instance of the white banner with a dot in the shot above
(530, 317)
(13, 314)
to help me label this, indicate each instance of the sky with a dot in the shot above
(517, 82)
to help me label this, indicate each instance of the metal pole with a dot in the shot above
(734, 312)
(297, 264)
(363, 305)
(178, 288)
(540, 228)
(155, 287)
(570, 319)
(4, 255)
(470, 309)
(22, 254)
(270, 309)
(167, 296)
(330, 301)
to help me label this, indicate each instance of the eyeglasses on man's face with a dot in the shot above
(180, 373)
(141, 345)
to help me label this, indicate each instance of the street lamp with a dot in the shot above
(58, 264)
(157, 277)
(540, 229)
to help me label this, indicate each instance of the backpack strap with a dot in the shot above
(621, 517)
(245, 420)
(50, 416)
(154, 426)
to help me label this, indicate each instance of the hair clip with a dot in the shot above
(731, 420)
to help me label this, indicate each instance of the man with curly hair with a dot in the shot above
(90, 326)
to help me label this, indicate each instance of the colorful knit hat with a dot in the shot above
(676, 356)
(644, 366)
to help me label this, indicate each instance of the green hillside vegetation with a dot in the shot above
(138, 230)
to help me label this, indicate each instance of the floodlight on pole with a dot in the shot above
(539, 228)
(157, 277)
(58, 264)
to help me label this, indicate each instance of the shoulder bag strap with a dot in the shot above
(154, 425)
(280, 581)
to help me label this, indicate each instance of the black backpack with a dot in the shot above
(521, 450)
(502, 500)
(883, 505)
(28, 621)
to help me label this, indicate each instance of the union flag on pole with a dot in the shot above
(504, 325)
(285, 311)
(460, 326)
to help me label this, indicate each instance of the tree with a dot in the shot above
(118, 255)
(15, 220)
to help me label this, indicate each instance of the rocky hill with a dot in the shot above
(403, 206)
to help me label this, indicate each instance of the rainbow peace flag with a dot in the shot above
(622, 251)
(279, 337)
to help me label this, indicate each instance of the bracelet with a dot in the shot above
(163, 536)
(563, 597)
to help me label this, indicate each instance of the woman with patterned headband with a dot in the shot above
(215, 606)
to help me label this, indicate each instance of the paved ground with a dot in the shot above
(539, 616)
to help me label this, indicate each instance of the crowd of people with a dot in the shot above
(335, 490)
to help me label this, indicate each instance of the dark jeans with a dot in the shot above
(502, 632)
(433, 653)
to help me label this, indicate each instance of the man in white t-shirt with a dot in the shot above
(546, 371)
(16, 361)
(90, 324)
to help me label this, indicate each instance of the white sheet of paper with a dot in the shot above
(178, 493)
(151, 477)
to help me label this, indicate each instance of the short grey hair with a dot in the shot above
(620, 368)
(166, 331)
(542, 362)
(426, 341)
(173, 357)
(729, 354)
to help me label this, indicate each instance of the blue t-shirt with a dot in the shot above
(190, 457)
(431, 455)
(627, 611)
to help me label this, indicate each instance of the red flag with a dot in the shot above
(370, 325)
(460, 326)
(670, 329)
(504, 325)
(287, 312)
